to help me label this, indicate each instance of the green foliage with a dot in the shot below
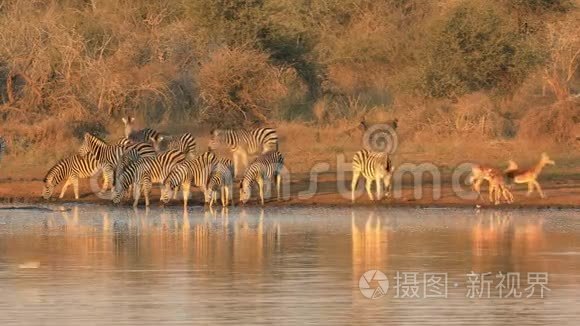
(475, 49)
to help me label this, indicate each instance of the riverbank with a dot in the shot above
(560, 194)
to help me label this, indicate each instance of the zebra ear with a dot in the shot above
(124, 120)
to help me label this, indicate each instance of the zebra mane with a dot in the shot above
(94, 140)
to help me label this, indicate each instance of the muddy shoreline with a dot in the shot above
(560, 194)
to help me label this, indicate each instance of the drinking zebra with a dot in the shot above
(374, 166)
(262, 171)
(221, 179)
(106, 157)
(244, 142)
(142, 135)
(72, 169)
(142, 173)
(194, 172)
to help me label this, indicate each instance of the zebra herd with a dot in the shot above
(134, 163)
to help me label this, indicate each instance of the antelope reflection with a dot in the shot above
(499, 237)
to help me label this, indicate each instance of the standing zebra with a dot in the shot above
(221, 179)
(106, 156)
(184, 143)
(194, 172)
(373, 166)
(243, 143)
(72, 169)
(263, 170)
(142, 135)
(141, 174)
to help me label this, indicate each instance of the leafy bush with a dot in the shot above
(474, 49)
(240, 85)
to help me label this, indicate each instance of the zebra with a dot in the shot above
(221, 179)
(263, 170)
(194, 172)
(243, 143)
(374, 166)
(142, 135)
(185, 143)
(143, 172)
(106, 156)
(72, 169)
(133, 152)
(2, 147)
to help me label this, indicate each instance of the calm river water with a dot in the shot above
(100, 265)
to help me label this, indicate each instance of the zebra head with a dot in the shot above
(90, 143)
(245, 191)
(128, 122)
(47, 189)
(166, 192)
(215, 140)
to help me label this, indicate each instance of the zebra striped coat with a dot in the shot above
(244, 142)
(220, 179)
(142, 173)
(185, 143)
(373, 166)
(194, 172)
(262, 171)
(106, 156)
(72, 169)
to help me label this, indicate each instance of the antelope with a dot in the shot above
(530, 175)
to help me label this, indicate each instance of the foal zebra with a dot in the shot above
(141, 174)
(194, 172)
(243, 143)
(221, 179)
(72, 169)
(184, 143)
(106, 156)
(143, 135)
(373, 166)
(263, 170)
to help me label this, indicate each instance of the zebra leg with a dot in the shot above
(76, 187)
(355, 176)
(379, 183)
(278, 184)
(231, 193)
(185, 189)
(64, 187)
(235, 156)
(147, 191)
(387, 185)
(226, 194)
(369, 185)
(261, 188)
(136, 194)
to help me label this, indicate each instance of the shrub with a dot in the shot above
(477, 48)
(239, 85)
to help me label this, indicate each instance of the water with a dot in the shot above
(98, 265)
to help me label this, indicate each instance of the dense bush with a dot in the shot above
(235, 62)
